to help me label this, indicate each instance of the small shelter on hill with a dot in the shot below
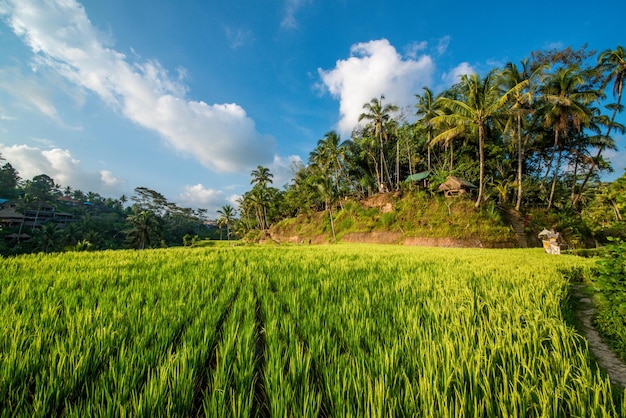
(454, 186)
(418, 177)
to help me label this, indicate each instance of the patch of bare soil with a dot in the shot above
(383, 201)
(373, 237)
(613, 365)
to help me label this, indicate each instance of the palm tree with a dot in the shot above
(566, 95)
(520, 79)
(427, 109)
(483, 100)
(378, 115)
(613, 62)
(145, 229)
(227, 216)
(261, 176)
(329, 156)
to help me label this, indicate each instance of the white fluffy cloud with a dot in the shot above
(373, 69)
(200, 196)
(61, 166)
(221, 136)
(282, 169)
(454, 76)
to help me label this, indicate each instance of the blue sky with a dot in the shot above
(186, 97)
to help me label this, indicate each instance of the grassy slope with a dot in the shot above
(402, 216)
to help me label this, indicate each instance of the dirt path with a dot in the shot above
(608, 361)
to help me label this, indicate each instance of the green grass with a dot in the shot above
(343, 330)
(414, 214)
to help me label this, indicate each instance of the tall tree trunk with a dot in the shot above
(397, 165)
(381, 186)
(428, 148)
(409, 159)
(451, 155)
(332, 223)
(574, 180)
(481, 157)
(618, 215)
(549, 168)
(556, 174)
(520, 158)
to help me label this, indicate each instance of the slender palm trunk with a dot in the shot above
(481, 157)
(520, 157)
(408, 155)
(428, 148)
(451, 155)
(381, 183)
(556, 174)
(574, 179)
(549, 168)
(332, 223)
(618, 215)
(397, 165)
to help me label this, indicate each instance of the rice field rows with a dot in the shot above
(360, 330)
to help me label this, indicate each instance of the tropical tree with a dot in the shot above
(48, 237)
(427, 109)
(482, 102)
(227, 217)
(521, 81)
(613, 64)
(379, 114)
(566, 95)
(9, 180)
(145, 229)
(329, 155)
(261, 177)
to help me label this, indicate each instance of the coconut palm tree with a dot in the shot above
(521, 80)
(329, 156)
(145, 229)
(261, 177)
(566, 95)
(613, 63)
(482, 102)
(378, 114)
(227, 216)
(427, 108)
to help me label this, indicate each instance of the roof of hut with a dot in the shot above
(455, 183)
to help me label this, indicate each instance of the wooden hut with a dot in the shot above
(454, 186)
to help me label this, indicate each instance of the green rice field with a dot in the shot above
(296, 331)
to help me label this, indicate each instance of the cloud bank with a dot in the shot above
(373, 69)
(61, 166)
(221, 136)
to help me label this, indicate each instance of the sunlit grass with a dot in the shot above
(344, 330)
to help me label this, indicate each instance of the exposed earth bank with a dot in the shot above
(391, 238)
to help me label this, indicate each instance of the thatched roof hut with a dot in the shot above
(454, 186)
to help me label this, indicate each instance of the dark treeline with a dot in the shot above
(39, 215)
(533, 134)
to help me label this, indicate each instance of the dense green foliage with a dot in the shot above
(610, 282)
(56, 220)
(530, 135)
(295, 331)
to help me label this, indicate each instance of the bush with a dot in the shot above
(612, 275)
